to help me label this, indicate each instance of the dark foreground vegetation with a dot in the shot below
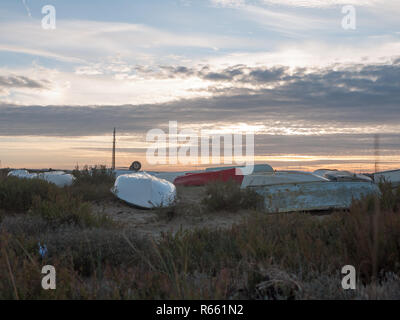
(282, 256)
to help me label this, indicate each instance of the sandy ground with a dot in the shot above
(189, 216)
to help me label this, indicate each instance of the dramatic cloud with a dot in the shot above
(20, 82)
(356, 83)
(11, 82)
(325, 100)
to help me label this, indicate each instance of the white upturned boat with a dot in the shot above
(59, 178)
(144, 190)
(311, 196)
(392, 176)
(23, 174)
(279, 177)
(337, 175)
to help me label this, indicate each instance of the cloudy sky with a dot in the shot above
(315, 93)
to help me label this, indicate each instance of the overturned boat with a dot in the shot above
(279, 177)
(203, 178)
(23, 174)
(313, 196)
(220, 174)
(59, 178)
(257, 168)
(392, 176)
(341, 175)
(261, 176)
(144, 190)
(171, 176)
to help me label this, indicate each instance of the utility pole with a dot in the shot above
(376, 147)
(113, 152)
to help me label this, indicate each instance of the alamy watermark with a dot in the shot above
(349, 21)
(190, 147)
(49, 280)
(49, 20)
(349, 280)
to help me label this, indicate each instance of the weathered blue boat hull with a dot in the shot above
(310, 196)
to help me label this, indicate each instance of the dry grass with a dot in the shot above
(40, 198)
(229, 197)
(283, 256)
(93, 183)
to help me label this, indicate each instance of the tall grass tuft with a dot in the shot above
(93, 183)
(229, 196)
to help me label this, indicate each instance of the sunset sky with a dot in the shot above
(315, 93)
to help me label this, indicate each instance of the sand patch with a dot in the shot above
(189, 216)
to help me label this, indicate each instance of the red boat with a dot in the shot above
(201, 179)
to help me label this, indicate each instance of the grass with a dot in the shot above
(68, 209)
(93, 183)
(17, 194)
(55, 205)
(228, 196)
(282, 256)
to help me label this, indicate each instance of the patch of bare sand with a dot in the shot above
(189, 214)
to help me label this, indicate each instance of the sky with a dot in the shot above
(315, 93)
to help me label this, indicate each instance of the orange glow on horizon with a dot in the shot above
(66, 152)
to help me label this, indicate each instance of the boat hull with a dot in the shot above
(337, 175)
(59, 178)
(257, 168)
(203, 178)
(279, 177)
(392, 176)
(144, 190)
(313, 196)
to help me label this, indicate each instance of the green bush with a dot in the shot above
(17, 194)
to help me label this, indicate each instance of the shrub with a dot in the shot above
(27, 225)
(390, 196)
(65, 208)
(94, 175)
(4, 173)
(230, 197)
(17, 194)
(94, 183)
